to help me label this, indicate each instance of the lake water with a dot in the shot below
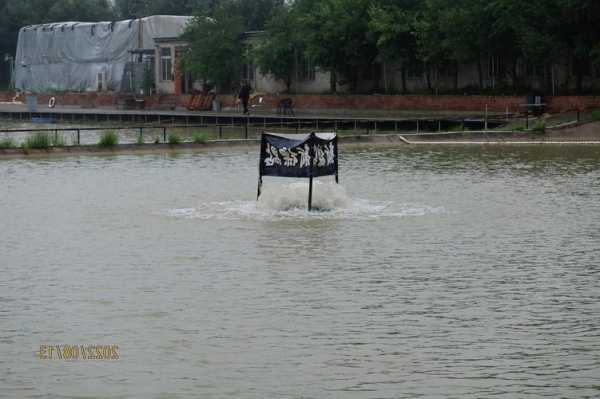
(465, 272)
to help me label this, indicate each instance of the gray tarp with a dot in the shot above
(71, 55)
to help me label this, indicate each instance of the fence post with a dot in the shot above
(78, 137)
(246, 127)
(141, 135)
(164, 134)
(220, 131)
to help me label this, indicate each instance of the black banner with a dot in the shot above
(298, 155)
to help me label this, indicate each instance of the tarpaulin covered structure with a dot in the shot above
(298, 155)
(75, 55)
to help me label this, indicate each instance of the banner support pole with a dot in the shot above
(337, 180)
(262, 148)
(310, 172)
(259, 186)
(310, 184)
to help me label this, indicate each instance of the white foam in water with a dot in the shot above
(325, 197)
(330, 201)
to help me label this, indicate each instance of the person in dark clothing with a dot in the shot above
(244, 95)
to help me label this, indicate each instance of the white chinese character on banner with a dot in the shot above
(273, 158)
(319, 155)
(290, 158)
(330, 154)
(304, 156)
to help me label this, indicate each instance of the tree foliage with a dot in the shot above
(216, 50)
(337, 37)
(350, 37)
(278, 50)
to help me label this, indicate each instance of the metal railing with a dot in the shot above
(249, 129)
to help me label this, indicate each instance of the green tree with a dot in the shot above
(79, 10)
(216, 49)
(277, 51)
(337, 37)
(216, 37)
(431, 40)
(393, 24)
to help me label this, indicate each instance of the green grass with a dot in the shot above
(57, 140)
(173, 139)
(38, 140)
(7, 143)
(539, 127)
(108, 139)
(200, 137)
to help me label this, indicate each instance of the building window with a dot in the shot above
(166, 64)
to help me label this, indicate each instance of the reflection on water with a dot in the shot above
(437, 272)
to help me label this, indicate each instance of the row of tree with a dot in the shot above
(347, 37)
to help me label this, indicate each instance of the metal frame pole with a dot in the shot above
(310, 173)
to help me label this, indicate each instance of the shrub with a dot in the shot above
(539, 127)
(108, 139)
(57, 140)
(157, 140)
(200, 138)
(140, 140)
(38, 140)
(173, 139)
(7, 143)
(596, 115)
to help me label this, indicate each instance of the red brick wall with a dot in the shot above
(570, 103)
(347, 102)
(409, 102)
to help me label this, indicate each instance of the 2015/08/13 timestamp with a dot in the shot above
(78, 352)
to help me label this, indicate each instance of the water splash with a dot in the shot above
(289, 201)
(326, 197)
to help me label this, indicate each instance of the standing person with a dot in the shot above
(244, 95)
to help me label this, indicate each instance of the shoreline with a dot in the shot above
(491, 138)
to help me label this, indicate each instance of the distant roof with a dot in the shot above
(62, 25)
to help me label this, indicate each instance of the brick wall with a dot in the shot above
(570, 103)
(342, 102)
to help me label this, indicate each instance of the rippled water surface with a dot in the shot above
(466, 272)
